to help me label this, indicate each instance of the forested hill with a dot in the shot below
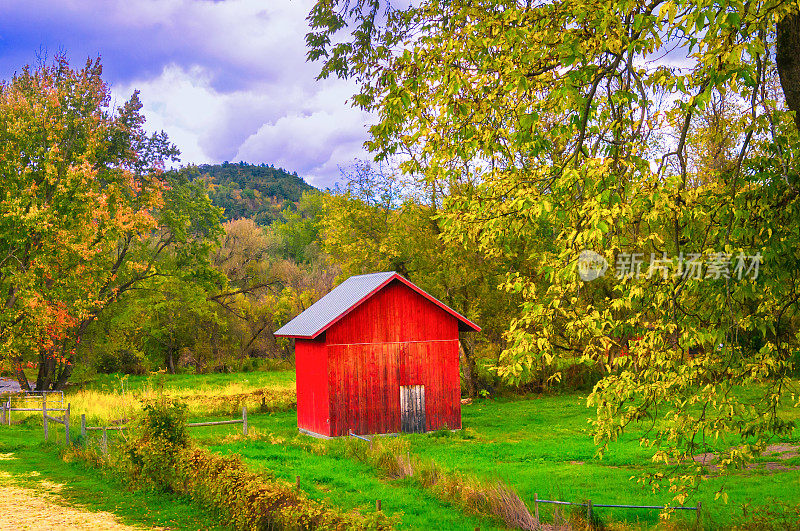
(258, 192)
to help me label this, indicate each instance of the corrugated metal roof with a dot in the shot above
(346, 296)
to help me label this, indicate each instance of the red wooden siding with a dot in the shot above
(311, 362)
(434, 365)
(365, 385)
(395, 313)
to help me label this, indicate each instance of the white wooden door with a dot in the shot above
(412, 408)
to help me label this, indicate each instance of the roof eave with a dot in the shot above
(353, 307)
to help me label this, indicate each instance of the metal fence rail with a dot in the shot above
(360, 437)
(589, 506)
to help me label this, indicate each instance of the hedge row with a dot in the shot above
(160, 457)
(249, 501)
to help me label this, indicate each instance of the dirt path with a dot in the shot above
(9, 385)
(26, 508)
(781, 452)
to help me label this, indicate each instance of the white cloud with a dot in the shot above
(182, 104)
(305, 128)
(316, 137)
(226, 80)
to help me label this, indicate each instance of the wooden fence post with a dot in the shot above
(83, 425)
(8, 412)
(3, 410)
(589, 513)
(66, 425)
(699, 508)
(44, 415)
(105, 441)
(536, 507)
(378, 505)
(297, 484)
(244, 421)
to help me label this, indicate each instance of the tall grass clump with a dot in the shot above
(506, 503)
(122, 398)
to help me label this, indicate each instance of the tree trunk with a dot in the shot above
(170, 347)
(466, 348)
(787, 58)
(46, 369)
(247, 350)
(215, 352)
(22, 379)
(64, 376)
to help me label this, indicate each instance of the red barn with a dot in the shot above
(377, 355)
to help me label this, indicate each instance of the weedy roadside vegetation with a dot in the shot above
(392, 456)
(158, 457)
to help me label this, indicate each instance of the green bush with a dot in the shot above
(247, 365)
(153, 452)
(565, 376)
(166, 421)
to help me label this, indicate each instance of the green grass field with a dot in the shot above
(543, 446)
(540, 445)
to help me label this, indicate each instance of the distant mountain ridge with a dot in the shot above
(258, 192)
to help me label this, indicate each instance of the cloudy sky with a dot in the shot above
(227, 80)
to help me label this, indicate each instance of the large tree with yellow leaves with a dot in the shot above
(597, 119)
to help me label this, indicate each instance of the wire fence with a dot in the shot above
(591, 506)
(6, 408)
(106, 429)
